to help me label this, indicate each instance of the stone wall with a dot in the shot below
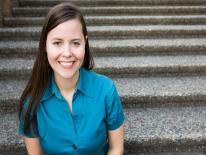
(5, 8)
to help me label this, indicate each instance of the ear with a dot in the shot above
(86, 37)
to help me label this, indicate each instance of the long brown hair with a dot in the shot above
(41, 70)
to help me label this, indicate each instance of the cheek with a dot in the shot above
(80, 53)
(51, 52)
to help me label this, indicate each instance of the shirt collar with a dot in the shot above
(83, 85)
(51, 89)
(84, 82)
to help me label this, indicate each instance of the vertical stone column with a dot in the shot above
(6, 8)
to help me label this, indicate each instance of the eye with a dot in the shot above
(76, 43)
(57, 43)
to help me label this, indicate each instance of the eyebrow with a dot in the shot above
(56, 39)
(76, 39)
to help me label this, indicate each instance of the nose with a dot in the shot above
(67, 51)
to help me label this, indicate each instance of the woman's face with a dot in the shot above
(65, 47)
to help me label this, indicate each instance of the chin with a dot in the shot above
(68, 75)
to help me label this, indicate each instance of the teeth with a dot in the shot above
(66, 64)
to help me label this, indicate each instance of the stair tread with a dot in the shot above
(148, 87)
(117, 20)
(116, 47)
(143, 126)
(113, 28)
(166, 124)
(113, 7)
(167, 62)
(117, 43)
(120, 10)
(114, 2)
(121, 17)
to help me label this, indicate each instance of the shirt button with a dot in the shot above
(74, 146)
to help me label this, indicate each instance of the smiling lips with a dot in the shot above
(67, 64)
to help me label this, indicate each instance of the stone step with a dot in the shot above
(148, 131)
(114, 32)
(112, 3)
(117, 10)
(123, 47)
(158, 91)
(165, 129)
(18, 68)
(116, 20)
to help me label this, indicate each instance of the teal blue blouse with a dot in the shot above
(96, 109)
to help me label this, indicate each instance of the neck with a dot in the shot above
(66, 85)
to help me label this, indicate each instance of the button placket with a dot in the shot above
(74, 146)
(74, 118)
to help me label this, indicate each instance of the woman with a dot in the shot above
(67, 109)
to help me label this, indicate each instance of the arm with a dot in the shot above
(33, 146)
(116, 141)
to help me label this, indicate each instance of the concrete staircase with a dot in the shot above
(155, 51)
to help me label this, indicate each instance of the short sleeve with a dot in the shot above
(114, 111)
(33, 129)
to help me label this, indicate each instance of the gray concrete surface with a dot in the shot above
(165, 115)
(156, 127)
(18, 68)
(134, 92)
(113, 2)
(126, 47)
(116, 20)
(118, 10)
(114, 32)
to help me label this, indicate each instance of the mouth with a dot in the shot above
(67, 64)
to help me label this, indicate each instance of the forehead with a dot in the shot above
(68, 29)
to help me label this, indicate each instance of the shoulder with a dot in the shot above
(99, 82)
(26, 102)
(101, 79)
